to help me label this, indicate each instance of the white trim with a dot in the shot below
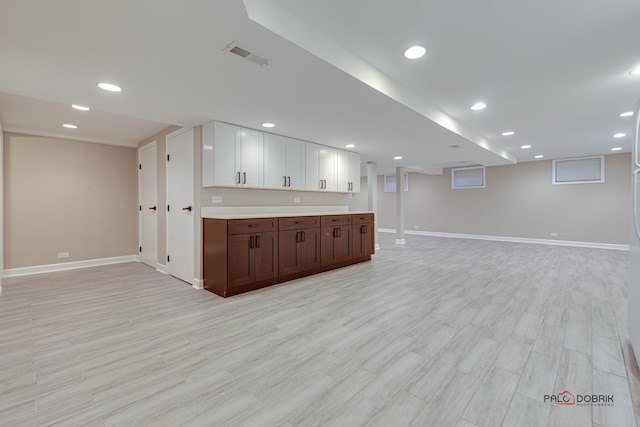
(197, 283)
(162, 268)
(555, 161)
(484, 178)
(48, 268)
(551, 242)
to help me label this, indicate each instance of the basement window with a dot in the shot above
(582, 170)
(390, 183)
(473, 177)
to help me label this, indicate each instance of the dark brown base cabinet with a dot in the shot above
(240, 255)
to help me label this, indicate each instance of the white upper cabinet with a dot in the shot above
(321, 167)
(231, 156)
(348, 172)
(284, 163)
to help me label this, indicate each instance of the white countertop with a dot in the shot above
(280, 215)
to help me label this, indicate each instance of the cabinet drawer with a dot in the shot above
(298, 222)
(255, 225)
(362, 218)
(329, 220)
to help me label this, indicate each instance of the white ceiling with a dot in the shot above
(555, 72)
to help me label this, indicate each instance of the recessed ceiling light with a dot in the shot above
(635, 71)
(349, 145)
(508, 133)
(619, 135)
(539, 156)
(109, 87)
(415, 52)
(478, 106)
(525, 146)
(397, 158)
(70, 126)
(616, 149)
(627, 114)
(268, 125)
(80, 107)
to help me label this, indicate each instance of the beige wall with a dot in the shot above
(518, 201)
(67, 196)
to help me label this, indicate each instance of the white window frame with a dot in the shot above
(484, 178)
(597, 181)
(388, 189)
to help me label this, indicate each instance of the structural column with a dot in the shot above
(400, 240)
(372, 188)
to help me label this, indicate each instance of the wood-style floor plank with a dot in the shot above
(437, 332)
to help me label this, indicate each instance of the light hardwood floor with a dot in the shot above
(438, 332)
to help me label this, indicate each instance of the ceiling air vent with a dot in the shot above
(455, 147)
(245, 54)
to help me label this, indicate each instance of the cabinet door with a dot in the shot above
(288, 262)
(225, 162)
(327, 166)
(327, 247)
(275, 161)
(265, 256)
(312, 177)
(239, 260)
(353, 172)
(362, 240)
(343, 243)
(295, 164)
(252, 158)
(342, 172)
(309, 247)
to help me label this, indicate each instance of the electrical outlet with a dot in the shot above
(416, 227)
(554, 234)
(216, 199)
(296, 200)
(63, 255)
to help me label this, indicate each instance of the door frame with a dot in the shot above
(150, 144)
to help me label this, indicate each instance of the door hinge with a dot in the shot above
(167, 258)
(140, 248)
(167, 208)
(167, 157)
(140, 207)
(140, 166)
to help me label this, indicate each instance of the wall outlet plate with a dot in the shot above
(296, 200)
(216, 199)
(554, 234)
(63, 255)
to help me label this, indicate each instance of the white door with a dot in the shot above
(295, 164)
(148, 203)
(275, 158)
(225, 164)
(327, 165)
(252, 158)
(181, 214)
(343, 171)
(312, 174)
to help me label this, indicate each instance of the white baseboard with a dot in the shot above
(162, 268)
(552, 242)
(36, 269)
(197, 283)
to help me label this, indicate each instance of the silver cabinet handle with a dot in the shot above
(288, 181)
(284, 182)
(238, 178)
(244, 177)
